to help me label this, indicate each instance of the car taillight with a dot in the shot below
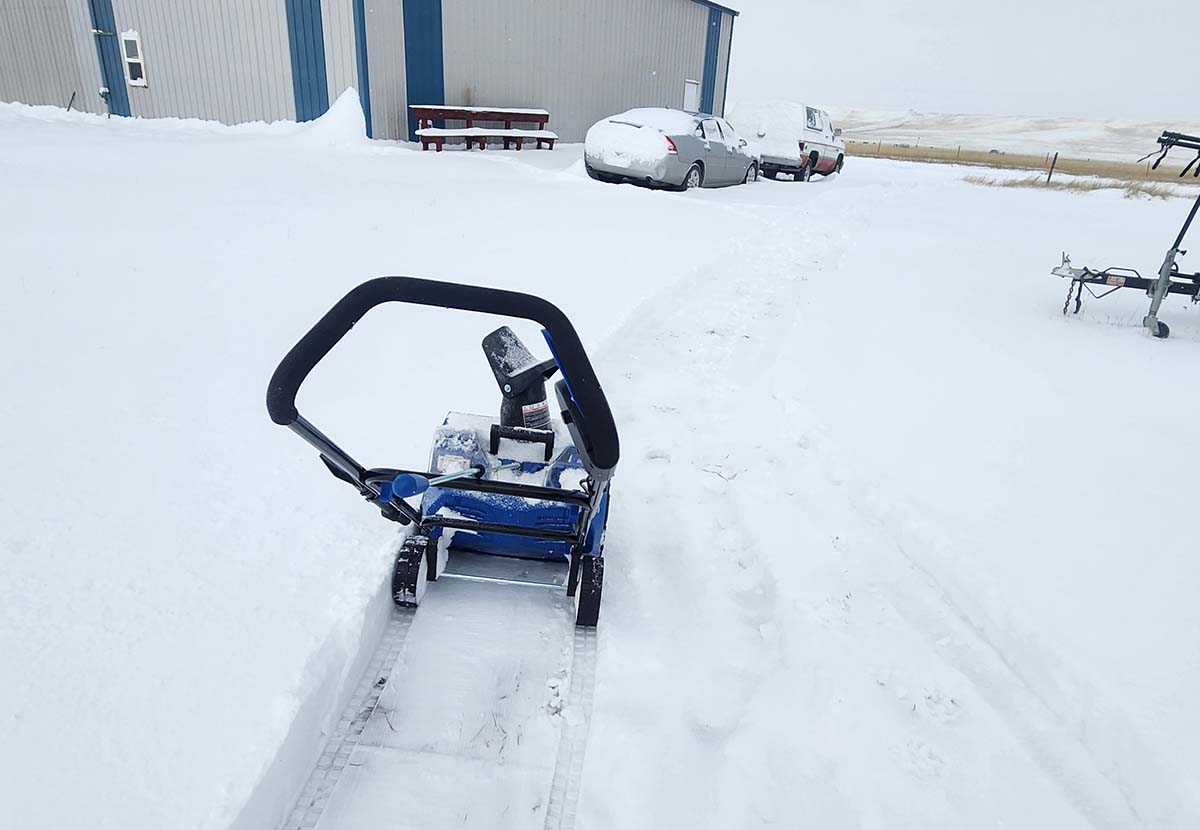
(801, 146)
(671, 148)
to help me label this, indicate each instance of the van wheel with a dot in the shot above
(804, 174)
(838, 168)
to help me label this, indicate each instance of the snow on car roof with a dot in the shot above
(765, 118)
(666, 120)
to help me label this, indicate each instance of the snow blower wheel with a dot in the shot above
(410, 573)
(522, 498)
(588, 591)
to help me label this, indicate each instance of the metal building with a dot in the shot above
(267, 60)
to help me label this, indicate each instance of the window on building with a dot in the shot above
(131, 52)
(691, 95)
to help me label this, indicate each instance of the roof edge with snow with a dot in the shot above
(718, 6)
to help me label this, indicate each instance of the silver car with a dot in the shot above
(668, 148)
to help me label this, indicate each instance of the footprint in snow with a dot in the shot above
(940, 707)
(919, 759)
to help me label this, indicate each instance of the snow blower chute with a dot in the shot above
(1170, 280)
(520, 499)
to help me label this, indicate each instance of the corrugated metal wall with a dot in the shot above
(229, 60)
(226, 60)
(340, 67)
(385, 52)
(579, 59)
(723, 63)
(48, 52)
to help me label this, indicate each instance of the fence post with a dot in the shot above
(958, 155)
(1052, 165)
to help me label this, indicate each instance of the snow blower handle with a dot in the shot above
(414, 484)
(591, 421)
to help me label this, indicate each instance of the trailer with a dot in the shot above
(1169, 280)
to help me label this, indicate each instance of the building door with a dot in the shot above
(691, 95)
(104, 28)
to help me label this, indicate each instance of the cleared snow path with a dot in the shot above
(473, 714)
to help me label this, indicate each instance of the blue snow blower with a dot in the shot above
(522, 499)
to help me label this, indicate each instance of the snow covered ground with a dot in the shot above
(893, 544)
(1075, 137)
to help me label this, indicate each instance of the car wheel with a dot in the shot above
(694, 177)
(751, 174)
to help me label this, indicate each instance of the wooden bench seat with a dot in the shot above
(437, 136)
(431, 136)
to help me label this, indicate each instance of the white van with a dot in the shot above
(791, 138)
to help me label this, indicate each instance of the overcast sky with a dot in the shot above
(1098, 59)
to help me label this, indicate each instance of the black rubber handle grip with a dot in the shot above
(572, 359)
(530, 436)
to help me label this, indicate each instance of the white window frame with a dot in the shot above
(688, 84)
(813, 118)
(136, 39)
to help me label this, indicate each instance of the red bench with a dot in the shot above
(430, 135)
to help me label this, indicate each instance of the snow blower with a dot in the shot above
(1170, 279)
(521, 499)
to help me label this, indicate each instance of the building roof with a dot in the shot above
(713, 5)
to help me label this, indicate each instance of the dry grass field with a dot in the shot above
(1167, 173)
(1077, 184)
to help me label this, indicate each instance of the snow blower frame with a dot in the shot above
(541, 526)
(1170, 279)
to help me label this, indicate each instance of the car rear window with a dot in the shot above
(671, 122)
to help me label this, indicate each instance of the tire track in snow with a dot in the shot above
(572, 743)
(1064, 756)
(310, 804)
(389, 656)
(965, 644)
(705, 326)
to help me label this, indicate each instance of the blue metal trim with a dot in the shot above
(728, 63)
(364, 65)
(425, 78)
(108, 50)
(725, 9)
(306, 42)
(712, 49)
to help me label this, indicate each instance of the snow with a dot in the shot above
(892, 544)
(636, 138)
(761, 118)
(434, 132)
(1102, 140)
(772, 127)
(512, 110)
(667, 121)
